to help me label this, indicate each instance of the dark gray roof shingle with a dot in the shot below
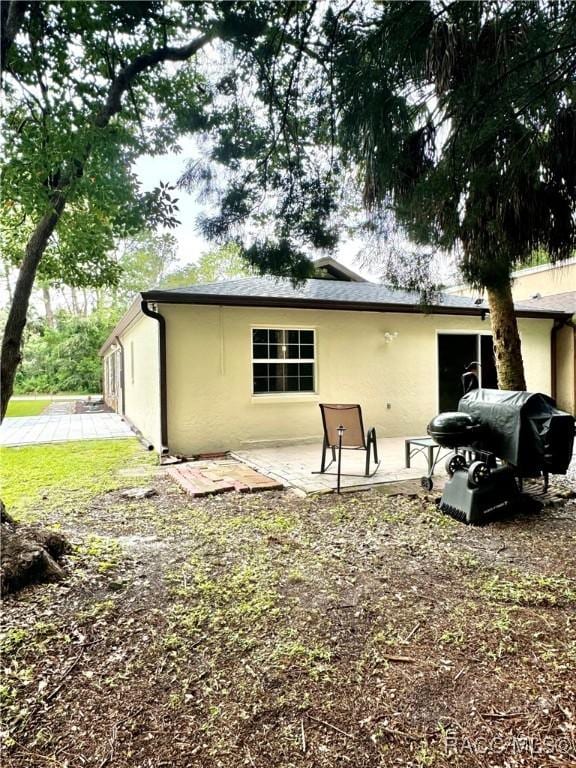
(322, 291)
(560, 302)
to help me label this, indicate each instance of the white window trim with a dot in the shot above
(285, 396)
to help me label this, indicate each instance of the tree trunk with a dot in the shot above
(48, 306)
(12, 16)
(75, 303)
(507, 349)
(16, 322)
(28, 554)
(13, 332)
(8, 283)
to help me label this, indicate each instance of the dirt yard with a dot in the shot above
(267, 630)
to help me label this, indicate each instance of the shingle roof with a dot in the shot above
(562, 302)
(329, 294)
(282, 292)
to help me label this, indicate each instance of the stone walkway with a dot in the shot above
(60, 408)
(30, 430)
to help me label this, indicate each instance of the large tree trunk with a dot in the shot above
(13, 332)
(16, 322)
(507, 349)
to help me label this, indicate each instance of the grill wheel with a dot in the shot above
(478, 472)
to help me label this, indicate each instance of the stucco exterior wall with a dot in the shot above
(210, 402)
(141, 378)
(544, 280)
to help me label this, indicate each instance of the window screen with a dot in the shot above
(282, 360)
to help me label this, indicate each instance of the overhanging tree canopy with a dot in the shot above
(456, 119)
(464, 126)
(87, 88)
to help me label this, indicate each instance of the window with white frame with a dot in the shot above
(282, 360)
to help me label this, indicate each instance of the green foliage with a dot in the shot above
(53, 92)
(460, 129)
(224, 263)
(64, 358)
(66, 128)
(144, 260)
(455, 127)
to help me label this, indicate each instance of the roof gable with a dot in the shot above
(328, 268)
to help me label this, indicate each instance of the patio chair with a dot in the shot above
(353, 438)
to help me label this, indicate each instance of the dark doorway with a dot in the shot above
(455, 352)
(489, 377)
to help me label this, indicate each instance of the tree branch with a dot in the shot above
(12, 18)
(140, 64)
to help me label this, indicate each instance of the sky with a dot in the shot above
(191, 244)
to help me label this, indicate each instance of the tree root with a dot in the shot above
(28, 554)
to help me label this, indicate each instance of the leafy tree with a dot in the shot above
(144, 261)
(224, 263)
(86, 91)
(465, 130)
(64, 358)
(457, 121)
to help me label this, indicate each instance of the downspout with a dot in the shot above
(574, 365)
(162, 364)
(123, 405)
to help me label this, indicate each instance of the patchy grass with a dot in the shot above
(26, 407)
(530, 589)
(270, 630)
(63, 476)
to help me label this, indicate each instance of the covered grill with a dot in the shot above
(524, 429)
(500, 436)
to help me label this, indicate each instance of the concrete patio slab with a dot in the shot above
(59, 428)
(295, 465)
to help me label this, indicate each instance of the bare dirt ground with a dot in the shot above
(270, 630)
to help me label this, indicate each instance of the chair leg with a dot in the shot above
(323, 464)
(371, 446)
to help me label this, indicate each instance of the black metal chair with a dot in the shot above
(335, 416)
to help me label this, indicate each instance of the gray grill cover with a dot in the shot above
(524, 428)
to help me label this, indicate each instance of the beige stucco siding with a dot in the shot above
(545, 280)
(209, 371)
(141, 378)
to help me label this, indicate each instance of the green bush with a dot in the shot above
(64, 358)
